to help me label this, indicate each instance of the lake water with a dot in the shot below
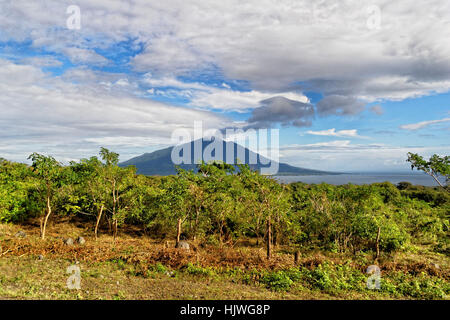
(362, 178)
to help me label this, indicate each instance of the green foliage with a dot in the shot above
(159, 268)
(219, 204)
(336, 278)
(434, 167)
(333, 278)
(16, 198)
(418, 287)
(277, 281)
(199, 270)
(120, 263)
(347, 218)
(327, 277)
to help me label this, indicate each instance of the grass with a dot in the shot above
(137, 267)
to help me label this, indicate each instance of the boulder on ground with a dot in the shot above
(20, 234)
(183, 245)
(68, 241)
(80, 240)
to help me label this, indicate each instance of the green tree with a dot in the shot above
(118, 188)
(218, 185)
(434, 167)
(144, 201)
(16, 183)
(173, 201)
(269, 201)
(50, 179)
(91, 187)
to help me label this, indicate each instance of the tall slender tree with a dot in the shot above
(436, 166)
(49, 173)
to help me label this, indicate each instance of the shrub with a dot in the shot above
(199, 270)
(332, 278)
(160, 268)
(418, 287)
(277, 281)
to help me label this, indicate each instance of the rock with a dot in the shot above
(183, 245)
(436, 266)
(80, 240)
(20, 234)
(40, 257)
(69, 241)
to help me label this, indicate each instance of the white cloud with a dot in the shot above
(42, 61)
(342, 156)
(378, 110)
(353, 133)
(423, 124)
(168, 55)
(225, 99)
(80, 56)
(50, 115)
(275, 45)
(212, 97)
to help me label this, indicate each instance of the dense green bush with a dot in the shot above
(335, 278)
(347, 217)
(277, 281)
(418, 287)
(17, 200)
(219, 204)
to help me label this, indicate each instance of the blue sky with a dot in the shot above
(349, 89)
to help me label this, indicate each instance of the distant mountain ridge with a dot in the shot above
(160, 162)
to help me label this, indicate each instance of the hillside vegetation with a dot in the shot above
(244, 230)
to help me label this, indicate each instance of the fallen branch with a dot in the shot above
(5, 252)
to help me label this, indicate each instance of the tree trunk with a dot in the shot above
(114, 219)
(377, 244)
(221, 232)
(269, 238)
(435, 178)
(274, 236)
(276, 229)
(44, 225)
(296, 257)
(115, 226)
(98, 221)
(178, 232)
(197, 214)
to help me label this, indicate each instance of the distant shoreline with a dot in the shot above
(361, 178)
